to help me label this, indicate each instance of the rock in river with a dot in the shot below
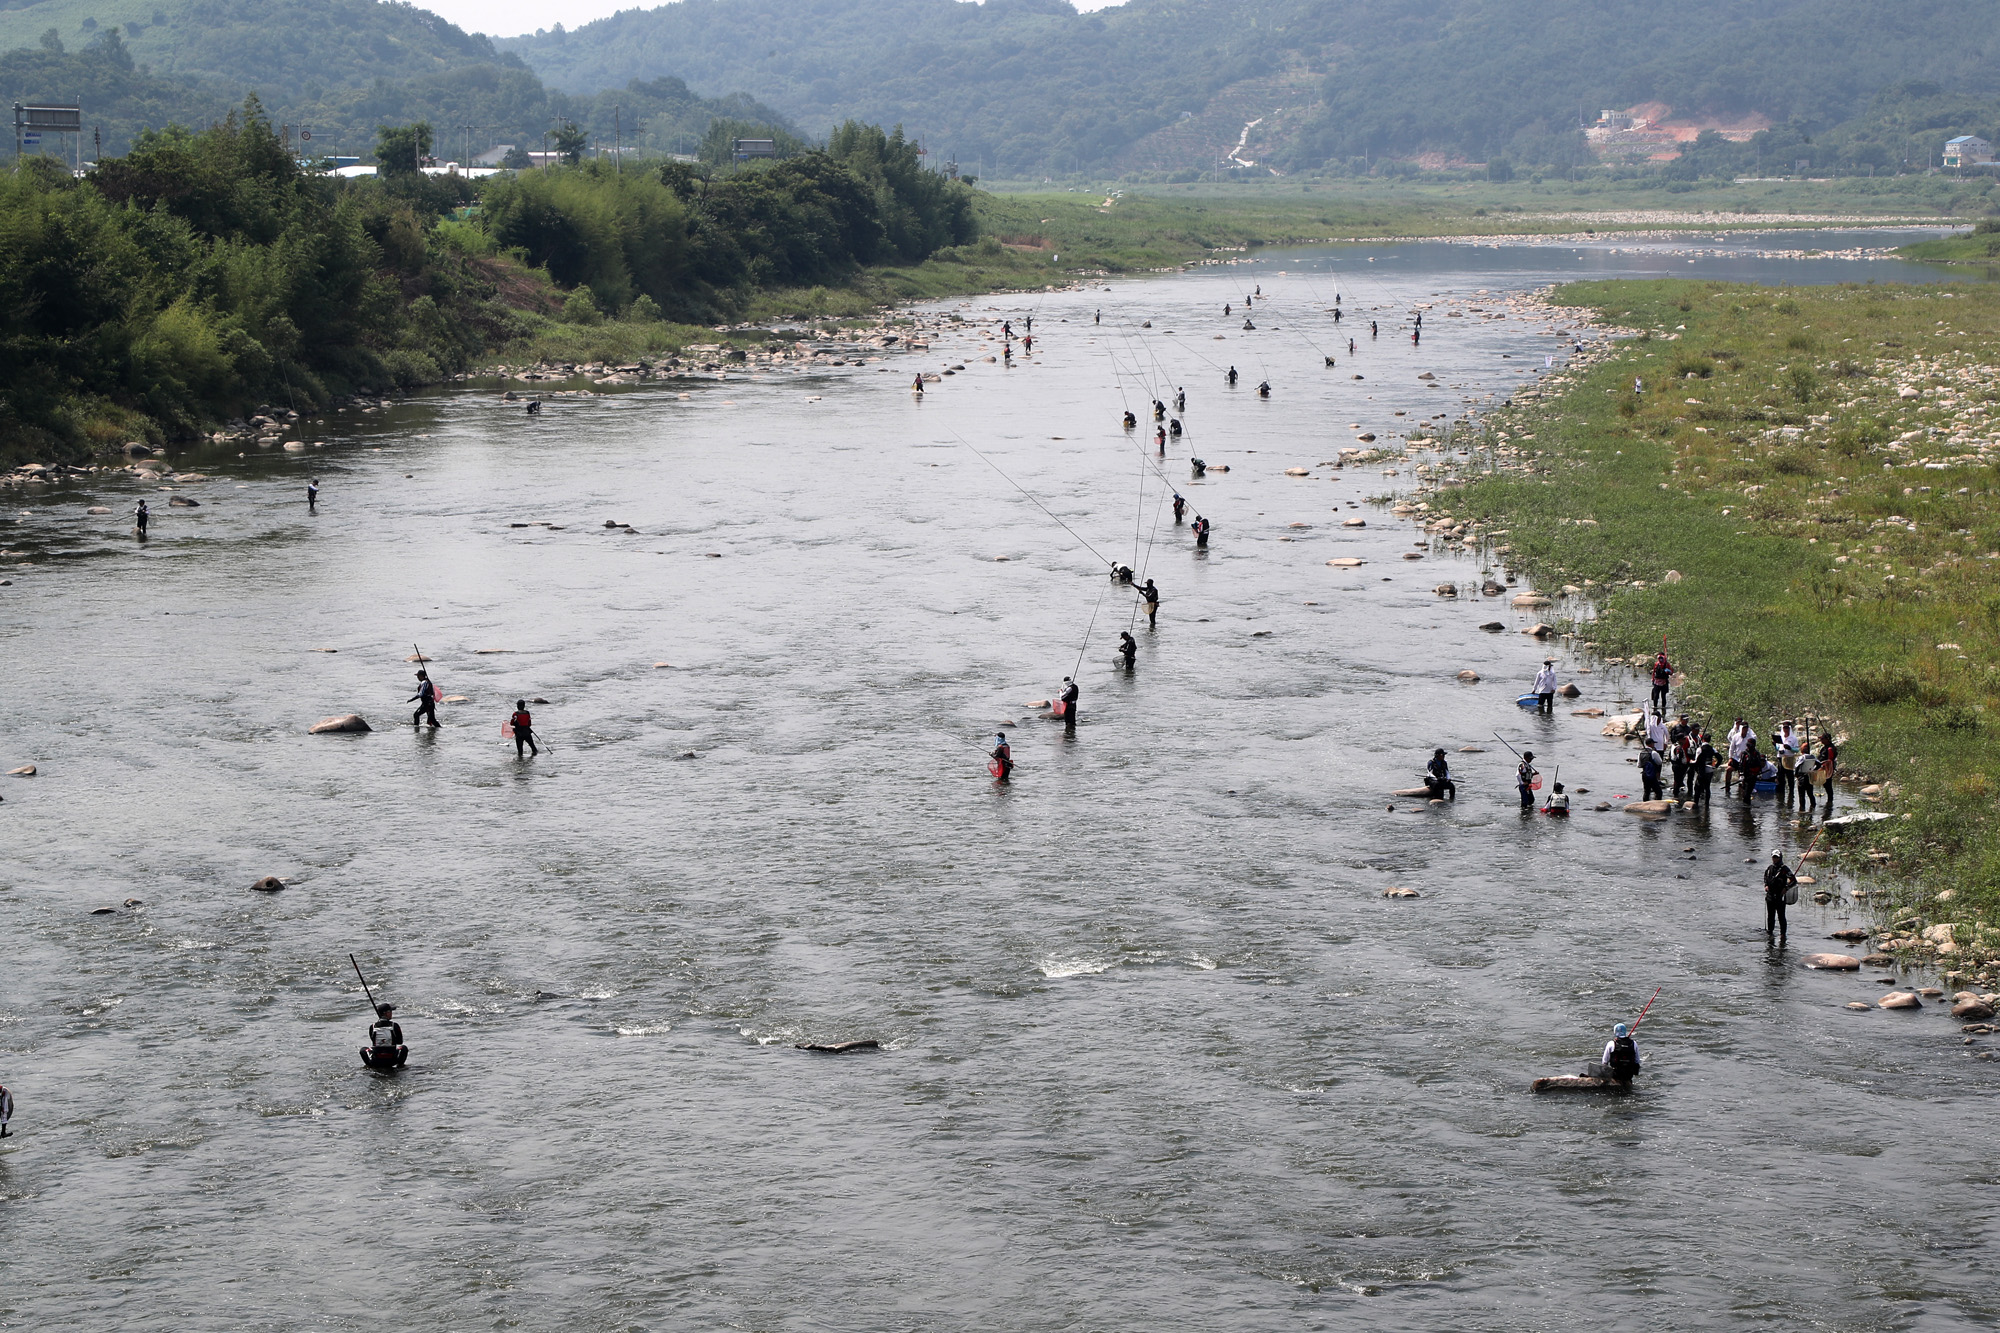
(1972, 1010)
(1900, 999)
(346, 722)
(268, 884)
(1832, 962)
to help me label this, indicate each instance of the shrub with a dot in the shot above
(580, 307)
(644, 309)
(1803, 382)
(1875, 685)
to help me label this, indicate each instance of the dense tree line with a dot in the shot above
(1033, 85)
(206, 271)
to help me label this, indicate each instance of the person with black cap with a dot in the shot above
(1180, 399)
(1151, 595)
(1128, 647)
(1180, 508)
(140, 516)
(312, 496)
(385, 1049)
(522, 725)
(1003, 757)
(426, 700)
(1069, 697)
(1437, 777)
(1525, 778)
(1201, 528)
(1780, 890)
(1232, 377)
(1649, 774)
(1130, 420)
(1545, 686)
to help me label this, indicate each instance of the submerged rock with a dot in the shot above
(268, 884)
(1832, 962)
(347, 722)
(1900, 999)
(1397, 892)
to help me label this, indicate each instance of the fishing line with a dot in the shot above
(1037, 503)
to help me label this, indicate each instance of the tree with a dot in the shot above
(401, 149)
(570, 142)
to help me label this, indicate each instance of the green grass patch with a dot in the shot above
(1821, 468)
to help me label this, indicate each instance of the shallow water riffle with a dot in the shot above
(1154, 1047)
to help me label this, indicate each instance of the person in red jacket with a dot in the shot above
(522, 725)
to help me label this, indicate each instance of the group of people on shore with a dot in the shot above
(1797, 767)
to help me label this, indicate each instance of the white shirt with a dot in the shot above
(1656, 732)
(1545, 681)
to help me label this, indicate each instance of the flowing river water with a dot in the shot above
(1156, 1050)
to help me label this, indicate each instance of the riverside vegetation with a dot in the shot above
(1821, 469)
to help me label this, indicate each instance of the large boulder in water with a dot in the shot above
(346, 722)
(1899, 999)
(1832, 962)
(1650, 809)
(268, 884)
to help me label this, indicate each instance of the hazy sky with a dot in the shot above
(511, 18)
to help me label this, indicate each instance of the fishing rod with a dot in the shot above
(373, 1008)
(1642, 1013)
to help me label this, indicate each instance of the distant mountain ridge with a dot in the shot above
(1033, 85)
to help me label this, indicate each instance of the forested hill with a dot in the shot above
(504, 100)
(1029, 85)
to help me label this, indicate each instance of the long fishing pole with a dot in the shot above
(1642, 1013)
(372, 1007)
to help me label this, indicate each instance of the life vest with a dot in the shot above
(521, 722)
(1624, 1058)
(382, 1035)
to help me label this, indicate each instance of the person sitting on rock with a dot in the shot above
(1620, 1061)
(1437, 777)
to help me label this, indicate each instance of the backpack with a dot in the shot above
(1624, 1058)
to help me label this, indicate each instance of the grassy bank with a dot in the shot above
(1818, 465)
(1758, 202)
(1980, 246)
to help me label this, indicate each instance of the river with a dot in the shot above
(1156, 1050)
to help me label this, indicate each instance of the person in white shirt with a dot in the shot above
(1787, 746)
(1545, 686)
(1739, 739)
(1656, 733)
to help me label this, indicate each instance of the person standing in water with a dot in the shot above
(1373, 328)
(1663, 679)
(1545, 686)
(1003, 757)
(1128, 648)
(918, 387)
(1151, 595)
(1232, 377)
(522, 724)
(1200, 532)
(1525, 778)
(1180, 400)
(139, 517)
(426, 700)
(1180, 508)
(1097, 317)
(1160, 440)
(1779, 882)
(1069, 696)
(312, 496)
(1704, 764)
(6, 1110)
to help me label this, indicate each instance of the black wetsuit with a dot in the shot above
(1232, 376)
(1439, 779)
(140, 515)
(312, 498)
(1201, 532)
(1069, 697)
(1152, 596)
(426, 700)
(1180, 508)
(1128, 649)
(1778, 878)
(524, 732)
